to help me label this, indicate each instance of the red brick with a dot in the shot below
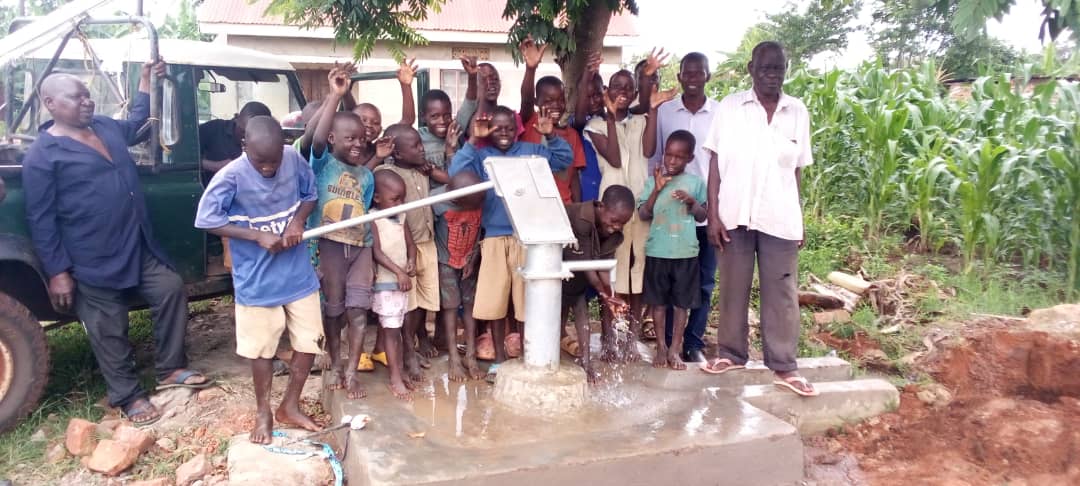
(80, 437)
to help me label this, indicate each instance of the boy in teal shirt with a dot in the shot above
(672, 202)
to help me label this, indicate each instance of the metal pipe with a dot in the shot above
(419, 203)
(32, 99)
(586, 265)
(543, 308)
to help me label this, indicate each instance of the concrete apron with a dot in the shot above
(637, 427)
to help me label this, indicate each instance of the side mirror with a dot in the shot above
(170, 114)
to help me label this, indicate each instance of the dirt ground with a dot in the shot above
(1005, 409)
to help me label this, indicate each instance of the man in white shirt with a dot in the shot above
(760, 141)
(693, 112)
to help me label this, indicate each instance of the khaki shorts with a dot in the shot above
(425, 285)
(258, 329)
(499, 280)
(629, 278)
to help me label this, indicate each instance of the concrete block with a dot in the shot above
(840, 402)
(814, 369)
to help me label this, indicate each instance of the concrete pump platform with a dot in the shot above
(641, 426)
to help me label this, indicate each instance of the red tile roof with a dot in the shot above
(456, 15)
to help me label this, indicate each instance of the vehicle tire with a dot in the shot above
(24, 362)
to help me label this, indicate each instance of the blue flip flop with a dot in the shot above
(178, 382)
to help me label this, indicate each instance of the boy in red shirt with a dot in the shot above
(550, 97)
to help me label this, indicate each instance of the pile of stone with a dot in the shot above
(112, 446)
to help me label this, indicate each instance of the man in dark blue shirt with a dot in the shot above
(91, 230)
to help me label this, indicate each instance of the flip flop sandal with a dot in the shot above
(134, 410)
(570, 346)
(485, 347)
(281, 368)
(178, 382)
(492, 372)
(648, 330)
(513, 345)
(365, 363)
(790, 382)
(380, 358)
(710, 366)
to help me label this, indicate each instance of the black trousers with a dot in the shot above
(104, 315)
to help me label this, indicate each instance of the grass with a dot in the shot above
(74, 390)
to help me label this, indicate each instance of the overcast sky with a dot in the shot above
(714, 26)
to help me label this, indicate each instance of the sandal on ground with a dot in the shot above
(513, 345)
(797, 384)
(492, 372)
(570, 346)
(365, 363)
(648, 330)
(380, 358)
(179, 381)
(720, 366)
(141, 412)
(485, 347)
(281, 368)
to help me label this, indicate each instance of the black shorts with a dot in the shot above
(574, 288)
(672, 281)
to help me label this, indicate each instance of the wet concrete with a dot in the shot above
(639, 426)
(627, 433)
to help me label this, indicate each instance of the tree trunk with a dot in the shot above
(588, 33)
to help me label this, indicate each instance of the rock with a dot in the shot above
(153, 482)
(1061, 319)
(39, 436)
(193, 470)
(166, 444)
(248, 467)
(172, 398)
(875, 357)
(111, 457)
(56, 453)
(832, 316)
(110, 424)
(210, 394)
(935, 395)
(138, 438)
(79, 437)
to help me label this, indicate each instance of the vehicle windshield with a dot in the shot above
(224, 91)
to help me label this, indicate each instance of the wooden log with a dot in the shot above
(821, 301)
(850, 282)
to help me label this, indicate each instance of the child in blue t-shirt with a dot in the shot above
(500, 253)
(260, 202)
(672, 202)
(346, 267)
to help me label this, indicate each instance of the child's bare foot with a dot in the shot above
(591, 374)
(323, 362)
(630, 352)
(413, 371)
(660, 360)
(263, 430)
(456, 371)
(473, 368)
(609, 353)
(674, 361)
(426, 349)
(338, 380)
(354, 390)
(293, 416)
(400, 390)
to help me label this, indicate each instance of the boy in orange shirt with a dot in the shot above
(550, 97)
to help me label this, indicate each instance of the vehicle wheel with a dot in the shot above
(24, 362)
